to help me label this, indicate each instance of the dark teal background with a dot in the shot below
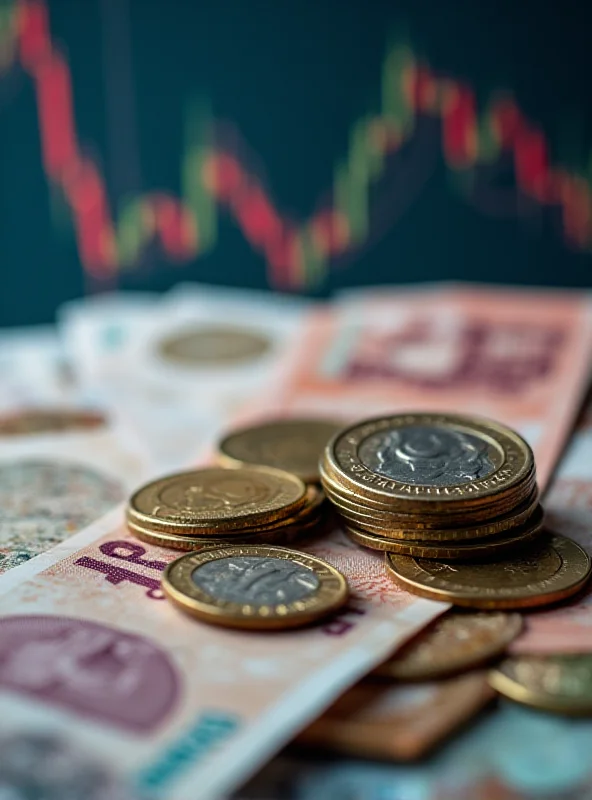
(292, 77)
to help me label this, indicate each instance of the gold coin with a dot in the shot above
(255, 586)
(310, 519)
(294, 445)
(548, 570)
(390, 528)
(215, 497)
(429, 460)
(213, 345)
(560, 683)
(489, 548)
(457, 642)
(175, 541)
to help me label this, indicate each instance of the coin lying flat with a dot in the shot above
(311, 519)
(490, 547)
(254, 586)
(294, 445)
(561, 683)
(217, 498)
(546, 571)
(428, 460)
(212, 345)
(457, 642)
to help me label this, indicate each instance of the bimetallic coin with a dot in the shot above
(560, 683)
(454, 515)
(254, 586)
(217, 497)
(214, 345)
(294, 445)
(488, 548)
(429, 459)
(457, 642)
(546, 571)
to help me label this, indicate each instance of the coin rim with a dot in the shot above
(557, 586)
(393, 530)
(519, 693)
(333, 589)
(457, 551)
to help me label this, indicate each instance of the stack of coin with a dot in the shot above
(433, 486)
(214, 506)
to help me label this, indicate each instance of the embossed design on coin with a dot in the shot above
(427, 455)
(551, 569)
(251, 579)
(254, 586)
(555, 682)
(214, 345)
(44, 502)
(457, 641)
(219, 495)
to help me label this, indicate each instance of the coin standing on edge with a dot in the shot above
(560, 683)
(256, 587)
(457, 642)
(550, 569)
(295, 445)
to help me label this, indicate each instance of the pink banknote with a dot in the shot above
(91, 652)
(568, 627)
(518, 356)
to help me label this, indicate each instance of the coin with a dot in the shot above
(390, 529)
(254, 586)
(429, 459)
(549, 570)
(294, 445)
(310, 520)
(457, 642)
(561, 683)
(49, 420)
(490, 547)
(215, 497)
(431, 516)
(213, 345)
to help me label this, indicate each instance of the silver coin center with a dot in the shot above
(427, 455)
(256, 580)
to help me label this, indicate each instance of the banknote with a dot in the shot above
(173, 369)
(94, 657)
(517, 356)
(568, 507)
(514, 754)
(398, 722)
(34, 368)
(61, 468)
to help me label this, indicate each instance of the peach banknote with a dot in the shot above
(518, 356)
(155, 703)
(567, 628)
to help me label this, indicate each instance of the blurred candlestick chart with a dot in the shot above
(473, 134)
